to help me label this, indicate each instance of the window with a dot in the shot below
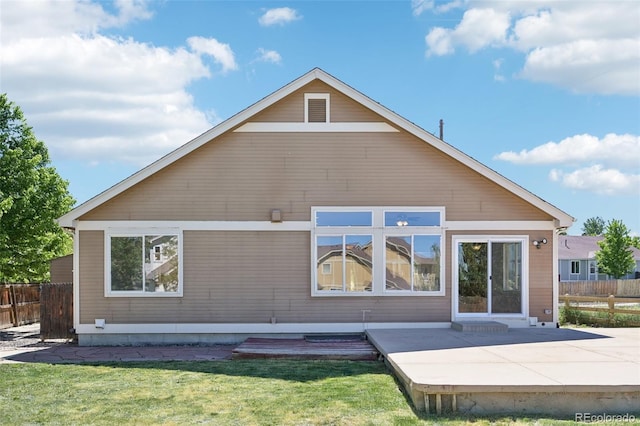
(349, 259)
(412, 263)
(374, 251)
(575, 266)
(316, 108)
(143, 264)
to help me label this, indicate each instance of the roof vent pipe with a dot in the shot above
(441, 129)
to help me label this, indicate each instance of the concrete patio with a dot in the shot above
(555, 371)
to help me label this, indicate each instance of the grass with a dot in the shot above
(244, 392)
(574, 316)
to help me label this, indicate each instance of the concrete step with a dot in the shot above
(480, 326)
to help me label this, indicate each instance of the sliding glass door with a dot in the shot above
(488, 276)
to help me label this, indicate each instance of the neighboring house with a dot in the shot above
(577, 259)
(315, 210)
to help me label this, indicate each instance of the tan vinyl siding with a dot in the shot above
(241, 277)
(541, 277)
(61, 269)
(91, 275)
(243, 176)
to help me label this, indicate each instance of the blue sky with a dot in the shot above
(546, 93)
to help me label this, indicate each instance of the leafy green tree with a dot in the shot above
(593, 226)
(615, 256)
(32, 196)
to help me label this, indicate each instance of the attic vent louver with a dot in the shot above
(316, 108)
(317, 111)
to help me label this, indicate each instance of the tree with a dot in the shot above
(615, 256)
(593, 226)
(32, 196)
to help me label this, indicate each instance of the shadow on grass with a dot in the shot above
(287, 370)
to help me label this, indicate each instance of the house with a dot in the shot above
(61, 269)
(315, 210)
(577, 259)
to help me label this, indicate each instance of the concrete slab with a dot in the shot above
(561, 369)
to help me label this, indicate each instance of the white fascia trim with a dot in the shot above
(499, 225)
(242, 328)
(365, 127)
(195, 225)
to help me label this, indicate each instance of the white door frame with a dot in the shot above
(455, 240)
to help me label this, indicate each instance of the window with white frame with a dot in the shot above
(575, 266)
(143, 264)
(377, 251)
(316, 108)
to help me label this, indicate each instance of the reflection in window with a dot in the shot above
(126, 263)
(350, 263)
(144, 263)
(412, 263)
(402, 219)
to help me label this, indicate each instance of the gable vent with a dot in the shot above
(316, 108)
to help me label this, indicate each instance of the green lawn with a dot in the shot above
(247, 392)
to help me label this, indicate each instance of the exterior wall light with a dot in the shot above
(537, 243)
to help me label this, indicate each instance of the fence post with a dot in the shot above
(14, 305)
(611, 300)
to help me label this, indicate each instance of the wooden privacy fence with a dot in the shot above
(56, 311)
(576, 303)
(621, 288)
(19, 304)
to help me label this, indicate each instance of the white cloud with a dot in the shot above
(96, 98)
(44, 18)
(440, 42)
(478, 29)
(596, 40)
(221, 52)
(604, 166)
(598, 180)
(482, 27)
(601, 66)
(265, 55)
(613, 149)
(419, 6)
(279, 16)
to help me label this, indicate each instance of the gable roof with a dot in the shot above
(581, 247)
(562, 219)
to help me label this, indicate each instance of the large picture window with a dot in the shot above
(145, 264)
(377, 251)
